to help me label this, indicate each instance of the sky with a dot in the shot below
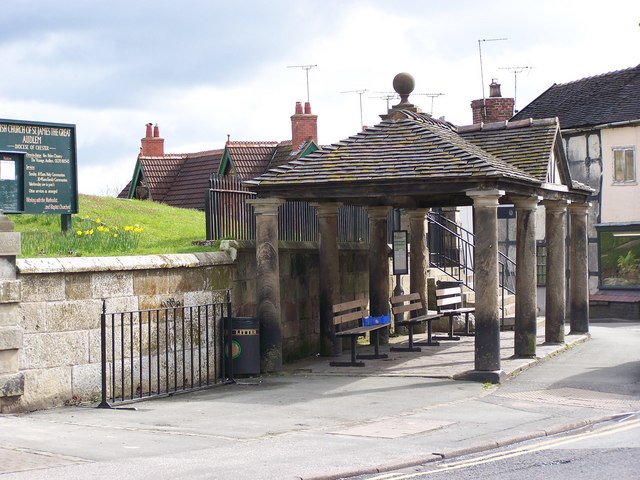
(205, 69)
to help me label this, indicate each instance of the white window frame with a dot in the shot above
(630, 178)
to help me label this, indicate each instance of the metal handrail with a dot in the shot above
(451, 248)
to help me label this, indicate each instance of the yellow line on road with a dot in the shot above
(494, 457)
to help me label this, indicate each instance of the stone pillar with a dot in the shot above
(378, 262)
(526, 288)
(556, 291)
(419, 256)
(487, 338)
(11, 380)
(329, 277)
(579, 261)
(268, 283)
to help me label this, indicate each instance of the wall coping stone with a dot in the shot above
(107, 264)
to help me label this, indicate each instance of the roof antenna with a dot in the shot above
(306, 68)
(484, 106)
(516, 71)
(432, 96)
(359, 92)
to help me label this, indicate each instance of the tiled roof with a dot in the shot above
(250, 159)
(190, 187)
(607, 98)
(408, 146)
(526, 144)
(160, 173)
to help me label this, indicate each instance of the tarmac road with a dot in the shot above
(317, 422)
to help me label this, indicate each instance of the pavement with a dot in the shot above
(316, 421)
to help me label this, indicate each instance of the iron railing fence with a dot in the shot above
(229, 216)
(163, 351)
(451, 249)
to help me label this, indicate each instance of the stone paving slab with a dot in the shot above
(19, 460)
(449, 359)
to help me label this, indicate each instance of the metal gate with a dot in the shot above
(162, 351)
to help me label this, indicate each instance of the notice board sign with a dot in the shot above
(400, 253)
(38, 171)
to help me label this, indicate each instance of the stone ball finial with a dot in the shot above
(403, 84)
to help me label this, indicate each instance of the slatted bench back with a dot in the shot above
(350, 311)
(410, 302)
(449, 298)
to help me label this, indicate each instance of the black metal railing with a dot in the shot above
(451, 249)
(162, 351)
(229, 216)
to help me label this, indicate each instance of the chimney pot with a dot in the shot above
(298, 108)
(156, 131)
(148, 133)
(494, 89)
(307, 108)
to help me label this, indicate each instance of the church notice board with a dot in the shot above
(38, 171)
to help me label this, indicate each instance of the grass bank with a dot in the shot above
(110, 226)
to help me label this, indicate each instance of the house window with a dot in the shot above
(619, 255)
(624, 168)
(541, 263)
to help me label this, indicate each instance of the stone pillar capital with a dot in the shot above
(485, 198)
(328, 209)
(555, 205)
(417, 213)
(378, 213)
(527, 203)
(579, 208)
(265, 206)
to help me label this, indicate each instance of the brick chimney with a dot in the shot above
(152, 144)
(496, 108)
(304, 126)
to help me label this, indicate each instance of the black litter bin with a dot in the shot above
(245, 346)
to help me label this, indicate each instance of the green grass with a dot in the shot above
(111, 226)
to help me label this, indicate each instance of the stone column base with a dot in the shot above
(495, 376)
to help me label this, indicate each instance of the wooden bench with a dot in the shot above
(356, 310)
(449, 304)
(418, 313)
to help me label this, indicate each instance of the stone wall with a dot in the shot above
(59, 313)
(54, 340)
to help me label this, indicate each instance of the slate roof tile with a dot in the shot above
(412, 147)
(601, 99)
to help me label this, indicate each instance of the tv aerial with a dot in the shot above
(306, 68)
(360, 93)
(516, 71)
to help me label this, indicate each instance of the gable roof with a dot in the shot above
(172, 179)
(190, 187)
(526, 144)
(248, 160)
(598, 100)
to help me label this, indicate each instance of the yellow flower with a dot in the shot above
(98, 221)
(100, 228)
(87, 232)
(79, 233)
(115, 235)
(128, 228)
(137, 230)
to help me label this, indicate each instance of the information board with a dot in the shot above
(38, 171)
(400, 253)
